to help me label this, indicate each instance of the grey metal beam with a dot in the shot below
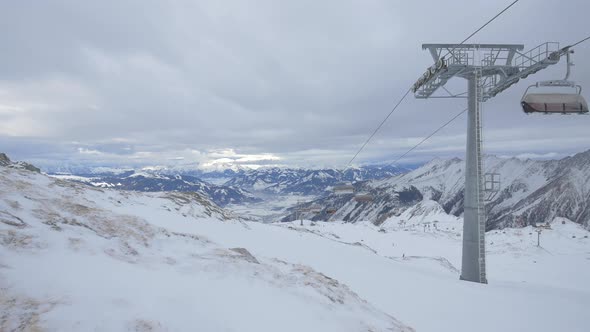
(435, 54)
(519, 47)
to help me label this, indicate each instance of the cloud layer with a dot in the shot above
(295, 83)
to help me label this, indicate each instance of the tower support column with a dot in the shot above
(473, 260)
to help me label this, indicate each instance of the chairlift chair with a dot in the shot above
(564, 103)
(315, 209)
(343, 189)
(363, 197)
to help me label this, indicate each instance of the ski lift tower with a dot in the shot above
(489, 69)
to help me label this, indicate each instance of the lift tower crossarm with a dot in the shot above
(437, 49)
(460, 60)
(500, 65)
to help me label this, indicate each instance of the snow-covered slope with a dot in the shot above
(414, 271)
(78, 258)
(531, 192)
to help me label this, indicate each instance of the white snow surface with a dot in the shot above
(74, 258)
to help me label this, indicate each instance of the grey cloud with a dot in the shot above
(306, 81)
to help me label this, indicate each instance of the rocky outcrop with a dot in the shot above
(5, 161)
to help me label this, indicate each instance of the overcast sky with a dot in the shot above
(300, 83)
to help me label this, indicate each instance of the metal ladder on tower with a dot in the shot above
(481, 214)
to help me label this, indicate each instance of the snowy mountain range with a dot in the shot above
(155, 181)
(230, 186)
(308, 181)
(220, 171)
(531, 192)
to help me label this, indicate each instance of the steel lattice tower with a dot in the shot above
(489, 69)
